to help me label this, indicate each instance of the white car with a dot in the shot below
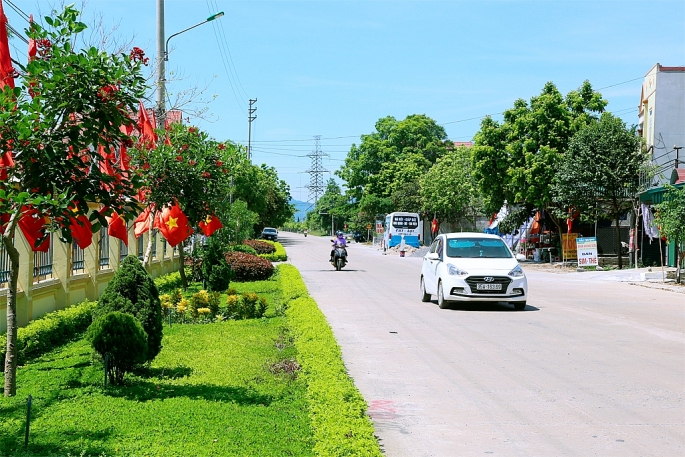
(472, 267)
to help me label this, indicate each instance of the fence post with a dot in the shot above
(28, 420)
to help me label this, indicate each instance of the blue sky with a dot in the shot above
(333, 68)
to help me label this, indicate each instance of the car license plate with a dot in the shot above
(489, 286)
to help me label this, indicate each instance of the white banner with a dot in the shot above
(587, 251)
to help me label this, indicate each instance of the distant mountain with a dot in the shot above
(301, 209)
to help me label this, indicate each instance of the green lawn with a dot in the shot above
(213, 390)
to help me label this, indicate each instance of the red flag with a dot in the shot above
(173, 225)
(81, 231)
(434, 226)
(142, 223)
(6, 69)
(33, 227)
(146, 128)
(210, 225)
(117, 227)
(33, 49)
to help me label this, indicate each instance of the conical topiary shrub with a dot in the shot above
(133, 291)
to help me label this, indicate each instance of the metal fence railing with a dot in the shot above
(78, 260)
(103, 248)
(4, 266)
(42, 263)
(123, 251)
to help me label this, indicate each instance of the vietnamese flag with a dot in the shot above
(32, 225)
(173, 225)
(81, 231)
(146, 128)
(210, 225)
(6, 79)
(33, 49)
(117, 227)
(142, 223)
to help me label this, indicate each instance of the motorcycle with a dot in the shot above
(305, 234)
(339, 259)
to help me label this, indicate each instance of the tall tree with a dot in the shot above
(599, 174)
(448, 190)
(516, 160)
(67, 106)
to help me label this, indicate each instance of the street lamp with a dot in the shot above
(210, 18)
(163, 56)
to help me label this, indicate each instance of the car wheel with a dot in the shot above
(442, 303)
(424, 296)
(519, 305)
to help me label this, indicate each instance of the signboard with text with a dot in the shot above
(587, 251)
(569, 245)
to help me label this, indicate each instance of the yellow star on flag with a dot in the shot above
(208, 219)
(171, 223)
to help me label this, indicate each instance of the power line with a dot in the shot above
(220, 25)
(316, 185)
(18, 10)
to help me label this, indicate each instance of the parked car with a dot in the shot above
(472, 267)
(270, 233)
(359, 237)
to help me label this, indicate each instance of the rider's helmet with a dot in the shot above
(339, 233)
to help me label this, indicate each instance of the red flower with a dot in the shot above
(44, 47)
(179, 158)
(184, 147)
(221, 146)
(107, 92)
(192, 130)
(206, 175)
(224, 171)
(146, 166)
(191, 163)
(219, 163)
(138, 55)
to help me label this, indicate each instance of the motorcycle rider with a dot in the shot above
(339, 241)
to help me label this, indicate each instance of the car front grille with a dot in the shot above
(472, 281)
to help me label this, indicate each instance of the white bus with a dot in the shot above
(398, 225)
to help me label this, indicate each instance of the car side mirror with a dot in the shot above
(433, 256)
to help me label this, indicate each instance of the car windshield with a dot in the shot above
(269, 230)
(473, 248)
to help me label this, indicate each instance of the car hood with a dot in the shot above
(484, 266)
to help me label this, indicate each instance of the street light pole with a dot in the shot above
(163, 56)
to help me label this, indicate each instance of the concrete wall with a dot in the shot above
(35, 299)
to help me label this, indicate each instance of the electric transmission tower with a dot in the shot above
(316, 185)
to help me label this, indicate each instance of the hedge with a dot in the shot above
(336, 408)
(49, 331)
(261, 246)
(168, 282)
(248, 267)
(278, 256)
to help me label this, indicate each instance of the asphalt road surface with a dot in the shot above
(591, 367)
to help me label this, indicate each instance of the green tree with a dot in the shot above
(67, 103)
(448, 189)
(133, 291)
(331, 209)
(516, 160)
(670, 217)
(599, 174)
(188, 169)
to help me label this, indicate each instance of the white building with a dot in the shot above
(662, 118)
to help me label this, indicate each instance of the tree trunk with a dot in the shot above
(618, 240)
(182, 271)
(11, 354)
(148, 250)
(679, 256)
(555, 220)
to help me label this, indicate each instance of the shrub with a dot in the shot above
(279, 255)
(246, 306)
(231, 291)
(215, 272)
(197, 301)
(122, 337)
(247, 267)
(133, 291)
(336, 408)
(262, 247)
(168, 282)
(220, 277)
(244, 248)
(214, 302)
(53, 329)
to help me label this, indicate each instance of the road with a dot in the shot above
(591, 367)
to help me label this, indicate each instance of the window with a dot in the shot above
(434, 246)
(164, 254)
(478, 248)
(154, 246)
(176, 249)
(123, 251)
(140, 247)
(4, 266)
(104, 248)
(42, 263)
(78, 263)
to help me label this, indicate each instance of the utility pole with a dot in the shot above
(161, 78)
(250, 117)
(316, 185)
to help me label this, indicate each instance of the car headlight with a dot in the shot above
(517, 272)
(456, 271)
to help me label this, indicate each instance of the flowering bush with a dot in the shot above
(247, 267)
(261, 247)
(246, 306)
(197, 301)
